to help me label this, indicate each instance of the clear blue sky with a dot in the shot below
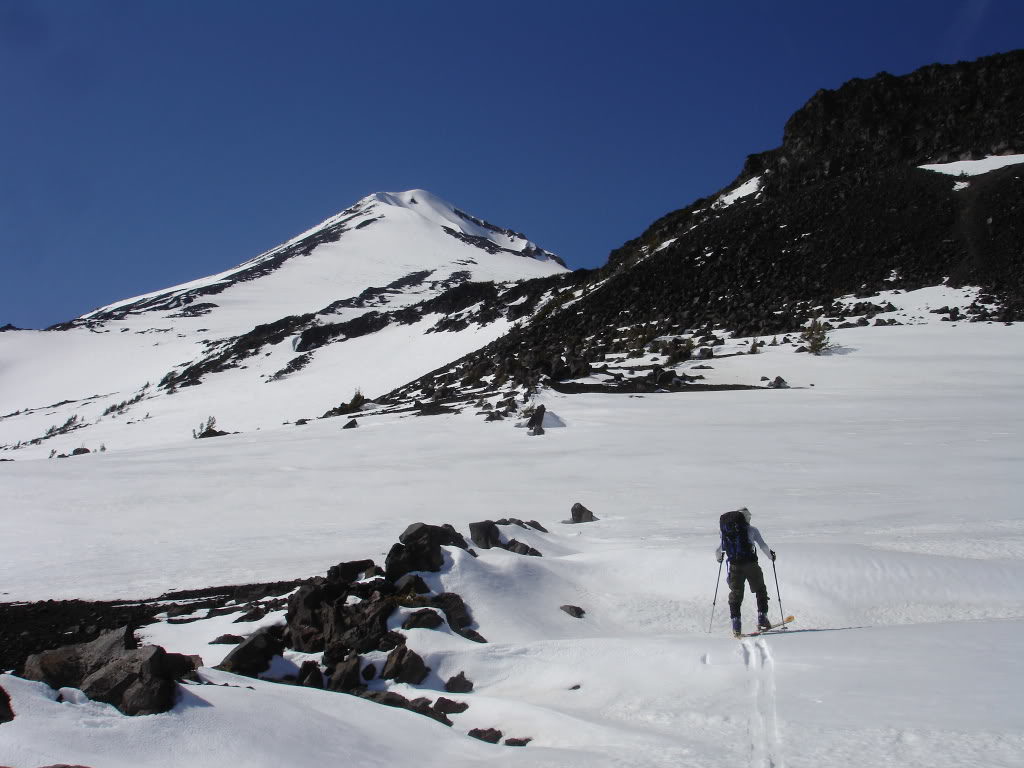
(148, 143)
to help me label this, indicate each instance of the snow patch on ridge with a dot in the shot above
(743, 190)
(974, 167)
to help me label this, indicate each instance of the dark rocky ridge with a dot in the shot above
(937, 114)
(27, 628)
(842, 210)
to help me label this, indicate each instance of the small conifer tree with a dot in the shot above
(815, 337)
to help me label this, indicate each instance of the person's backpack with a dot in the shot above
(736, 538)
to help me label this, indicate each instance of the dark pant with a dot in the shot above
(740, 573)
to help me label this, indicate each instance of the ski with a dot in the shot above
(769, 629)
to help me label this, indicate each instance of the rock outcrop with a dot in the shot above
(113, 669)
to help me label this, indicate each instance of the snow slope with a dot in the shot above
(111, 353)
(889, 489)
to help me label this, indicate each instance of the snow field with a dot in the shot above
(889, 490)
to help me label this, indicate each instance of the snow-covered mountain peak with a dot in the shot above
(345, 254)
(352, 303)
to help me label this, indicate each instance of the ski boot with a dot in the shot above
(762, 622)
(737, 630)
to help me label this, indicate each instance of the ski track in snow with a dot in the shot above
(765, 744)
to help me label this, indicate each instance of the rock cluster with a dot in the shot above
(344, 615)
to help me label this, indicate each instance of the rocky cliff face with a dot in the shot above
(841, 208)
(937, 114)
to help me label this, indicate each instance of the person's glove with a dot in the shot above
(771, 552)
(719, 556)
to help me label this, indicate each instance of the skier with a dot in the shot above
(738, 538)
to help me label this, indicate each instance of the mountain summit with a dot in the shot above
(396, 230)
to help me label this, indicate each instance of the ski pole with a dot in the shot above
(717, 582)
(778, 594)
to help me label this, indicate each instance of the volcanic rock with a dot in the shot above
(423, 619)
(7, 713)
(581, 514)
(404, 665)
(490, 735)
(253, 655)
(459, 684)
(485, 534)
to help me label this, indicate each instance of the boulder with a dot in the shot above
(255, 613)
(411, 584)
(450, 706)
(472, 634)
(419, 549)
(490, 735)
(422, 619)
(139, 681)
(573, 610)
(455, 610)
(351, 424)
(347, 572)
(70, 664)
(778, 383)
(404, 665)
(387, 698)
(520, 548)
(369, 672)
(227, 640)
(253, 655)
(581, 514)
(346, 676)
(459, 684)
(485, 534)
(422, 706)
(7, 712)
(310, 675)
(305, 619)
(513, 742)
(534, 524)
